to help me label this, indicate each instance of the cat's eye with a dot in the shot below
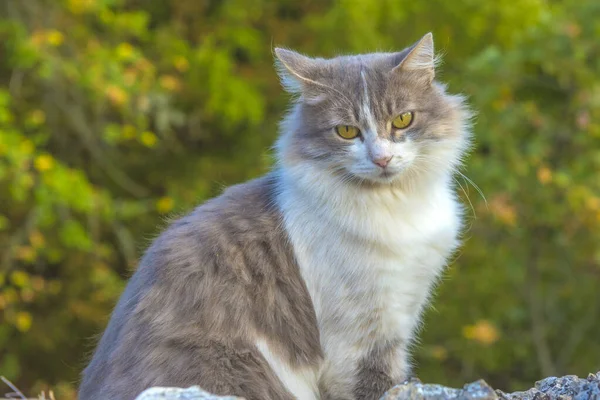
(347, 131)
(403, 120)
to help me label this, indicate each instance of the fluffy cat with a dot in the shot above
(307, 283)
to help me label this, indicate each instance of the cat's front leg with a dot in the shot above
(384, 366)
(366, 376)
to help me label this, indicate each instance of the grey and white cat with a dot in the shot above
(307, 283)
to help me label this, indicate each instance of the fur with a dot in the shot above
(308, 283)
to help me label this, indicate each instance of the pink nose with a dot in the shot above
(382, 162)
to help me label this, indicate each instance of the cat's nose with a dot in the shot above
(383, 161)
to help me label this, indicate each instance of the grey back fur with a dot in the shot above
(204, 289)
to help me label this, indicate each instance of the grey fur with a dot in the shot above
(202, 291)
(373, 375)
(226, 273)
(331, 92)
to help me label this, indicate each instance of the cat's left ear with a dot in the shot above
(420, 58)
(298, 73)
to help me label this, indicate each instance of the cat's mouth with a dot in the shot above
(386, 176)
(378, 176)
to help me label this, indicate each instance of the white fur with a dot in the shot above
(370, 254)
(369, 257)
(302, 383)
(367, 115)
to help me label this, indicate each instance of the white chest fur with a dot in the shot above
(369, 259)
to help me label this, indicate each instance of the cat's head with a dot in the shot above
(374, 119)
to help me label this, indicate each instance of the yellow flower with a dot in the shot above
(181, 63)
(164, 204)
(593, 203)
(37, 117)
(81, 6)
(130, 76)
(37, 38)
(43, 162)
(544, 175)
(36, 239)
(10, 296)
(148, 139)
(502, 209)
(27, 146)
(124, 51)
(482, 331)
(439, 352)
(23, 321)
(19, 278)
(54, 38)
(25, 253)
(169, 82)
(116, 95)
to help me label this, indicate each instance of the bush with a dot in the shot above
(117, 114)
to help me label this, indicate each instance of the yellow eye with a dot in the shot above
(347, 131)
(403, 120)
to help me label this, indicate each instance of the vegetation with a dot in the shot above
(116, 115)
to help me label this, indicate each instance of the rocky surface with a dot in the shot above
(565, 388)
(416, 390)
(568, 387)
(191, 393)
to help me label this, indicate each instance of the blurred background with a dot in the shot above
(118, 115)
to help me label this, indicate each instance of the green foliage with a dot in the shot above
(117, 113)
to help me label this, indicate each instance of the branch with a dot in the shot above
(18, 237)
(14, 389)
(77, 121)
(538, 325)
(579, 332)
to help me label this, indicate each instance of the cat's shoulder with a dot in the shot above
(218, 231)
(243, 207)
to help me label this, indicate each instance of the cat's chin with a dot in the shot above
(386, 177)
(377, 179)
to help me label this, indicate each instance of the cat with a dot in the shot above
(309, 282)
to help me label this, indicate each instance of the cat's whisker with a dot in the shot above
(467, 196)
(475, 186)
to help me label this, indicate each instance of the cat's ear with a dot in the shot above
(420, 58)
(298, 73)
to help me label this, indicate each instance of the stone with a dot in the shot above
(191, 393)
(415, 390)
(568, 387)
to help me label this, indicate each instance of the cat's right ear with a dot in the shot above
(420, 58)
(298, 73)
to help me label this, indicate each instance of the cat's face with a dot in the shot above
(374, 118)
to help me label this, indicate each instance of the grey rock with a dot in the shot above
(191, 393)
(568, 387)
(415, 390)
